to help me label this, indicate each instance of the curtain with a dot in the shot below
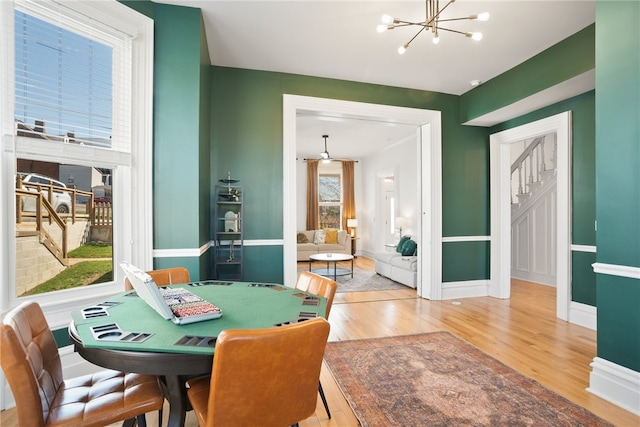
(349, 202)
(312, 194)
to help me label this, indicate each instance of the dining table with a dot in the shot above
(124, 333)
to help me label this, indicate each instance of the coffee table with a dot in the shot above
(334, 258)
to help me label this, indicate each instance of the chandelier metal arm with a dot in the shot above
(464, 33)
(416, 35)
(464, 18)
(432, 22)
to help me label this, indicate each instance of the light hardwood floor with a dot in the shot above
(522, 332)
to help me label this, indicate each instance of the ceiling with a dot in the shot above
(338, 39)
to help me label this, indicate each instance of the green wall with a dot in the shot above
(181, 149)
(569, 58)
(618, 179)
(583, 182)
(246, 137)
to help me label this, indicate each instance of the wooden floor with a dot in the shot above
(522, 332)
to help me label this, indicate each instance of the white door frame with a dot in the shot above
(500, 169)
(429, 133)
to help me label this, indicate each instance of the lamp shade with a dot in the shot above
(352, 223)
(402, 221)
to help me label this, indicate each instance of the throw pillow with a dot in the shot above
(409, 248)
(302, 238)
(318, 237)
(401, 243)
(331, 235)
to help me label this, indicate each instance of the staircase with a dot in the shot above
(533, 175)
(533, 212)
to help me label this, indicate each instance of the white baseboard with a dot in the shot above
(583, 315)
(466, 289)
(615, 383)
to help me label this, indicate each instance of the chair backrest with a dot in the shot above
(166, 276)
(267, 377)
(31, 362)
(318, 285)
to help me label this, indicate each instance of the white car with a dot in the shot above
(61, 199)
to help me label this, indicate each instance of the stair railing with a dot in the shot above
(530, 164)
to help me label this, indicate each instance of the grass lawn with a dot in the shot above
(83, 273)
(92, 250)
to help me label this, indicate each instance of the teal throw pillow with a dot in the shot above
(401, 243)
(409, 248)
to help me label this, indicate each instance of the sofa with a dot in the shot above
(401, 264)
(333, 241)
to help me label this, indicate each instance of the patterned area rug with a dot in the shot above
(363, 280)
(438, 379)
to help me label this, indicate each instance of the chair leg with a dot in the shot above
(142, 420)
(324, 400)
(160, 418)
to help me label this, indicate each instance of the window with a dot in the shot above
(329, 200)
(75, 70)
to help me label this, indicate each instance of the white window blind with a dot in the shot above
(72, 78)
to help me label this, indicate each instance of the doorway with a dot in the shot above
(500, 169)
(429, 166)
(389, 210)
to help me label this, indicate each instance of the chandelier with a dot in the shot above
(431, 23)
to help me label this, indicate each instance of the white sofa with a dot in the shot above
(304, 250)
(398, 267)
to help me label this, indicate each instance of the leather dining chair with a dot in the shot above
(261, 377)
(31, 363)
(164, 277)
(324, 287)
(318, 285)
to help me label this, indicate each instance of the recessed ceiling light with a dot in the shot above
(475, 83)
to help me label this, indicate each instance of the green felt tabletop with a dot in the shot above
(243, 305)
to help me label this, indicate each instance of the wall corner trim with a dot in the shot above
(615, 383)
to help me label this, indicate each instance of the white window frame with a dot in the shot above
(332, 170)
(133, 230)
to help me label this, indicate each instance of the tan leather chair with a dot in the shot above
(324, 287)
(164, 277)
(31, 363)
(262, 377)
(318, 285)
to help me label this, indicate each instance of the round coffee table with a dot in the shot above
(334, 258)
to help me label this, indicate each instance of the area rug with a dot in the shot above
(437, 379)
(366, 280)
(363, 280)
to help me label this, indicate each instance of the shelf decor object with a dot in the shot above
(228, 230)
